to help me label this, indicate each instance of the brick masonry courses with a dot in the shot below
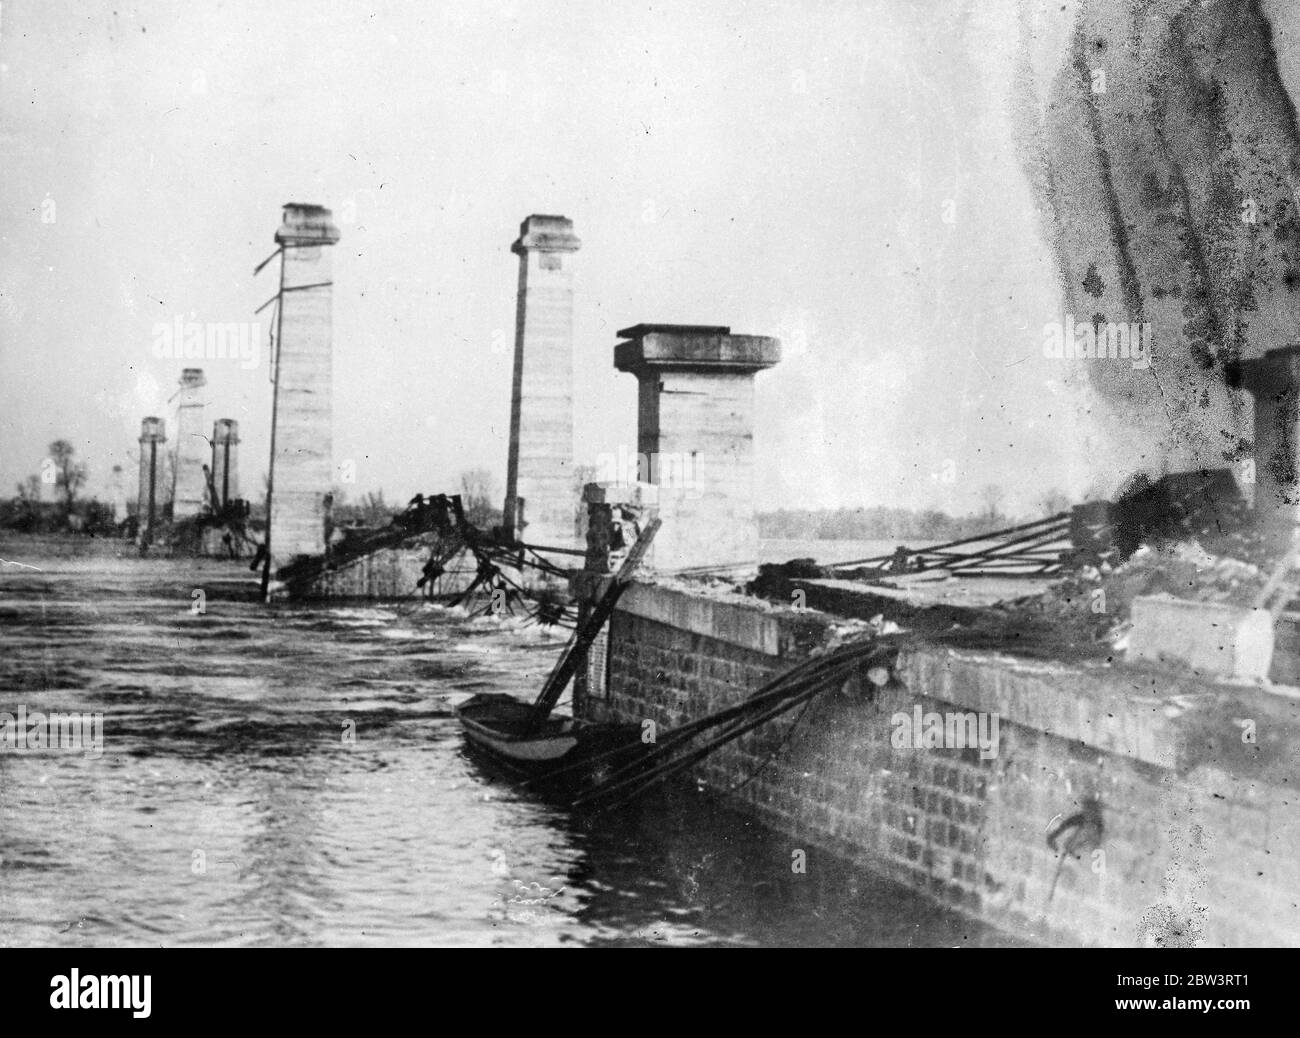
(1201, 828)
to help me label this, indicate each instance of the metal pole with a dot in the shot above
(275, 410)
(225, 475)
(153, 482)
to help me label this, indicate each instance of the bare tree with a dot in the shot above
(374, 509)
(476, 496)
(27, 505)
(29, 490)
(69, 475)
(1053, 502)
(991, 497)
(29, 496)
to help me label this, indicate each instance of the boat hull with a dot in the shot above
(497, 726)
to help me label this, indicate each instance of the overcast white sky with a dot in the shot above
(782, 169)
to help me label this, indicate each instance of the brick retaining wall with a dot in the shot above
(1201, 828)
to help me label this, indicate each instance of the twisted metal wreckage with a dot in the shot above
(602, 766)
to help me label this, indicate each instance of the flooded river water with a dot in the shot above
(294, 776)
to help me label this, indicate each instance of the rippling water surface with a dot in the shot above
(294, 776)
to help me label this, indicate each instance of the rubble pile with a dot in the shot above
(1087, 612)
(1184, 571)
(1094, 603)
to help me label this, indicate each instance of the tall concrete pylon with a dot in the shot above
(190, 489)
(302, 420)
(541, 501)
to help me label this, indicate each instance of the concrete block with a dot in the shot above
(1211, 638)
(695, 426)
(736, 623)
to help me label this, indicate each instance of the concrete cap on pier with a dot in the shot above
(307, 224)
(694, 347)
(225, 430)
(546, 234)
(695, 431)
(153, 430)
(193, 378)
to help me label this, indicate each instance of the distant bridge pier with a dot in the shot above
(191, 447)
(225, 462)
(149, 499)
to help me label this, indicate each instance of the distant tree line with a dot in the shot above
(476, 488)
(884, 523)
(27, 513)
(70, 512)
(870, 524)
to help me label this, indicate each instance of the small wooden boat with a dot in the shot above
(504, 729)
(528, 740)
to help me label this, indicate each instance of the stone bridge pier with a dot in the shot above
(302, 467)
(191, 447)
(541, 498)
(695, 438)
(150, 498)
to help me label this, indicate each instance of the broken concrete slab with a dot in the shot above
(1214, 639)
